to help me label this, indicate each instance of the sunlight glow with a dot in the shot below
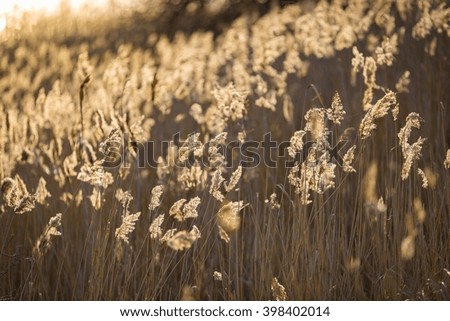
(9, 6)
(2, 23)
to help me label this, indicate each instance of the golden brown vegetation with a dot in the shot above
(79, 220)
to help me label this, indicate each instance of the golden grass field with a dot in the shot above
(227, 150)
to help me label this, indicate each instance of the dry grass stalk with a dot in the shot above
(423, 177)
(447, 159)
(127, 226)
(128, 220)
(336, 112)
(155, 228)
(296, 143)
(189, 209)
(348, 159)
(191, 145)
(379, 110)
(168, 235)
(43, 243)
(410, 152)
(272, 201)
(10, 192)
(15, 195)
(217, 276)
(278, 290)
(216, 183)
(183, 240)
(234, 179)
(155, 197)
(315, 123)
(215, 157)
(176, 210)
(228, 216)
(82, 86)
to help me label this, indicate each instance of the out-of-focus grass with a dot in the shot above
(370, 236)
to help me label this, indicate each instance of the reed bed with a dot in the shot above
(293, 151)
